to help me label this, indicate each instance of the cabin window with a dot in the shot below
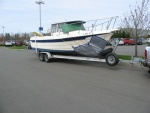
(59, 28)
(66, 28)
(53, 29)
(56, 28)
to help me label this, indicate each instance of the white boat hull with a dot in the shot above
(60, 44)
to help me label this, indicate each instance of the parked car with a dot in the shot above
(13, 42)
(8, 43)
(19, 43)
(128, 41)
(120, 41)
(26, 42)
(144, 41)
(139, 41)
(148, 40)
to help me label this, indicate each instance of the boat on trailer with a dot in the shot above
(74, 39)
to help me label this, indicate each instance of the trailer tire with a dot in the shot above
(41, 56)
(46, 58)
(111, 59)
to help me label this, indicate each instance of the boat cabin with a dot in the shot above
(66, 27)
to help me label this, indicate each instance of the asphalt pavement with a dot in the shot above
(28, 85)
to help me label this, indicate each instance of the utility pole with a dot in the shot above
(39, 3)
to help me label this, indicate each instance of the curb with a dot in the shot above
(131, 63)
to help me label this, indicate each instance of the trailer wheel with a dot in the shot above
(46, 58)
(41, 57)
(112, 59)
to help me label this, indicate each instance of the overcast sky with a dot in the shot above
(20, 16)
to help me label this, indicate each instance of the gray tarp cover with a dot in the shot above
(93, 48)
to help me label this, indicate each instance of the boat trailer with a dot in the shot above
(111, 58)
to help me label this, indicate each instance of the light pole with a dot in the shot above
(39, 3)
(3, 27)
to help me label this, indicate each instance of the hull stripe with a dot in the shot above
(63, 39)
(59, 40)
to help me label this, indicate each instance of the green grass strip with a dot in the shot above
(2, 44)
(124, 57)
(17, 47)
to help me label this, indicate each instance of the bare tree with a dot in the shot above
(137, 22)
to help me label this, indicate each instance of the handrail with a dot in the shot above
(103, 24)
(104, 18)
